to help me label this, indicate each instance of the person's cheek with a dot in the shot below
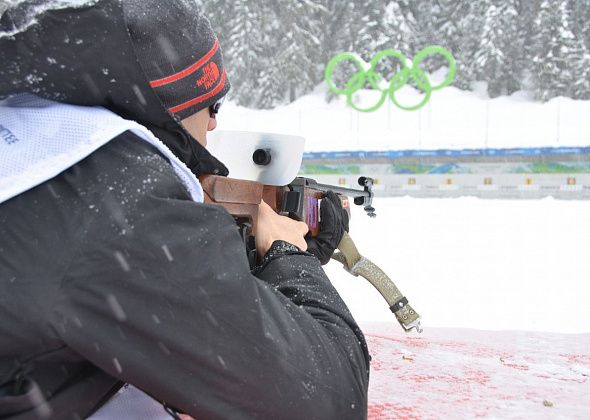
(212, 124)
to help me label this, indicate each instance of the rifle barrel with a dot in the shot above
(350, 192)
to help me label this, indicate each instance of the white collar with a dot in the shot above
(39, 139)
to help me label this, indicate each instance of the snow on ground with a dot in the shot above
(474, 263)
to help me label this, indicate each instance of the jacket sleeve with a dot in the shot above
(159, 294)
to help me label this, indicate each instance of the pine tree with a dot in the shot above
(338, 31)
(244, 30)
(453, 25)
(382, 25)
(334, 19)
(528, 11)
(581, 23)
(581, 73)
(580, 12)
(398, 33)
(295, 62)
(371, 32)
(271, 47)
(499, 59)
(466, 42)
(556, 50)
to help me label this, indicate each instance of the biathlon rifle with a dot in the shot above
(301, 200)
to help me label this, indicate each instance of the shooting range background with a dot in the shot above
(514, 258)
(462, 261)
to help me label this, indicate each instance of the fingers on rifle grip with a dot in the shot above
(328, 208)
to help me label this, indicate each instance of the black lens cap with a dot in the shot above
(261, 157)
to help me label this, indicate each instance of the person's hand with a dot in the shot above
(274, 227)
(333, 224)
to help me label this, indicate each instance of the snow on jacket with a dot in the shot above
(110, 273)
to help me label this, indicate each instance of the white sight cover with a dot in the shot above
(235, 150)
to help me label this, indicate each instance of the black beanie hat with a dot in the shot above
(179, 53)
(107, 52)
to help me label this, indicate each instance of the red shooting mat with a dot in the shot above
(466, 374)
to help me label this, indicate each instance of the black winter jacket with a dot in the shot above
(109, 273)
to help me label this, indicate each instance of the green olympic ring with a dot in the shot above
(366, 74)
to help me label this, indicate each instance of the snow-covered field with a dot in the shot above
(467, 262)
(474, 263)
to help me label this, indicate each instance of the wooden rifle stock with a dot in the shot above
(240, 197)
(299, 200)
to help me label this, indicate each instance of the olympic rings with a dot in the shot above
(366, 74)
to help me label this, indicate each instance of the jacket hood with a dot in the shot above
(84, 56)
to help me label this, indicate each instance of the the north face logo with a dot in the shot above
(210, 76)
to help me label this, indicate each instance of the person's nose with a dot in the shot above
(212, 124)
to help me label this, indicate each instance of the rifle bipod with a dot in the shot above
(356, 265)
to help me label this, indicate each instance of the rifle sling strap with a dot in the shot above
(356, 264)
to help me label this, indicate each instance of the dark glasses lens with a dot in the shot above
(214, 109)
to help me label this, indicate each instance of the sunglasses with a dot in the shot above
(214, 109)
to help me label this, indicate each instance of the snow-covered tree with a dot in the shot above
(466, 41)
(369, 32)
(454, 25)
(581, 24)
(244, 30)
(399, 31)
(581, 72)
(499, 59)
(295, 62)
(580, 12)
(335, 17)
(271, 47)
(383, 25)
(556, 51)
(277, 50)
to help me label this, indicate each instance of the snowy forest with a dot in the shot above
(276, 50)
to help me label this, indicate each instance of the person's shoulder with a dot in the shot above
(129, 164)
(129, 150)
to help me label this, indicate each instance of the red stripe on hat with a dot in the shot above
(188, 70)
(201, 98)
